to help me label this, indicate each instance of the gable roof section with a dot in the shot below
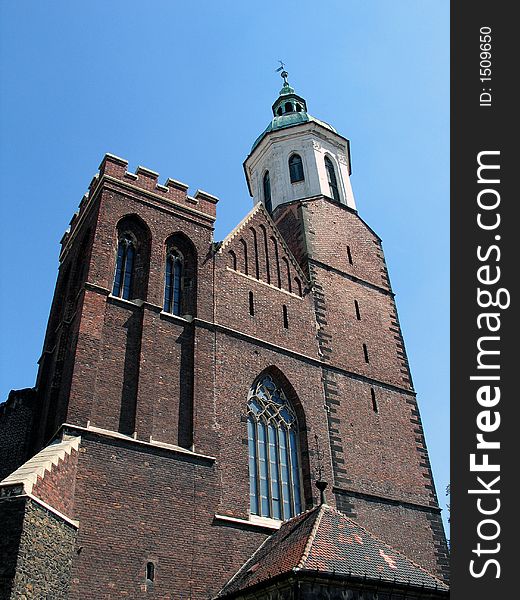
(325, 540)
(260, 211)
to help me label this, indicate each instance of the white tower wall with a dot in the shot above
(312, 141)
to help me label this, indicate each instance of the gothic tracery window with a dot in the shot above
(173, 282)
(132, 258)
(124, 275)
(180, 276)
(274, 466)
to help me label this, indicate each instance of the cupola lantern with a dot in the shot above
(298, 156)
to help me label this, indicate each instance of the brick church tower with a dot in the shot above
(190, 392)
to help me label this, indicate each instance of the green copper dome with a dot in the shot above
(290, 120)
(289, 110)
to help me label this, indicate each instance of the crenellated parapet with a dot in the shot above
(172, 193)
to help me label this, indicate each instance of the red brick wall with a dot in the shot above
(186, 382)
(238, 364)
(17, 418)
(378, 450)
(139, 504)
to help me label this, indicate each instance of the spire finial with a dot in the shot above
(283, 73)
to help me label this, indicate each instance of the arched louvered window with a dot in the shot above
(123, 280)
(267, 192)
(331, 176)
(173, 282)
(274, 462)
(296, 168)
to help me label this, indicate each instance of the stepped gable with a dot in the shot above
(48, 476)
(269, 258)
(325, 541)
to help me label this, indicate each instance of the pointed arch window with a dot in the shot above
(173, 282)
(123, 280)
(274, 461)
(296, 168)
(267, 192)
(331, 176)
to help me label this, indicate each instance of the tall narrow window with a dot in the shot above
(251, 304)
(123, 280)
(150, 572)
(180, 275)
(374, 401)
(365, 352)
(285, 317)
(296, 168)
(331, 176)
(267, 193)
(349, 256)
(358, 314)
(274, 463)
(173, 282)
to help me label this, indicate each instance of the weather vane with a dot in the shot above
(283, 73)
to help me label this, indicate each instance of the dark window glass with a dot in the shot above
(349, 256)
(331, 176)
(358, 313)
(374, 401)
(251, 304)
(173, 283)
(288, 107)
(285, 317)
(365, 352)
(274, 467)
(296, 168)
(124, 268)
(267, 192)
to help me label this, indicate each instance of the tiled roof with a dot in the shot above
(325, 540)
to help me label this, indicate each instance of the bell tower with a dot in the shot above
(298, 156)
(300, 168)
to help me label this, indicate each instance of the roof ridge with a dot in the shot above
(398, 552)
(312, 537)
(301, 518)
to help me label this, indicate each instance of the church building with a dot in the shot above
(222, 419)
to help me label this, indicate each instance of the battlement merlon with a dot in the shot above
(113, 168)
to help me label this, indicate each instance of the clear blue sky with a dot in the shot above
(184, 88)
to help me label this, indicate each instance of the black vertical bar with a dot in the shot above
(484, 252)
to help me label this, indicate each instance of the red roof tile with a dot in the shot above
(325, 540)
